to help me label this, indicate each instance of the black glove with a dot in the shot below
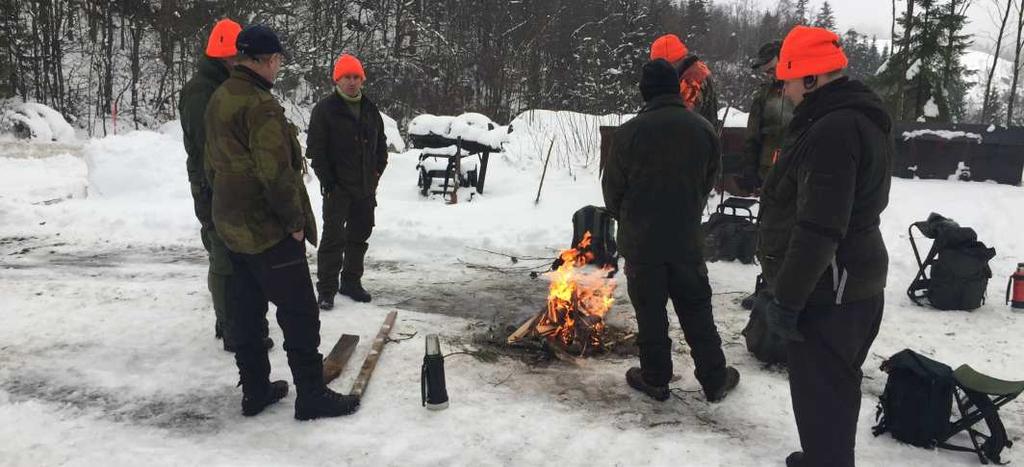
(783, 321)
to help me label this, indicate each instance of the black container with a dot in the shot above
(432, 385)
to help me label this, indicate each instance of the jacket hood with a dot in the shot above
(213, 69)
(840, 94)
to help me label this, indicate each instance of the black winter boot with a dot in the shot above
(326, 302)
(321, 402)
(748, 301)
(255, 399)
(732, 378)
(355, 291)
(635, 379)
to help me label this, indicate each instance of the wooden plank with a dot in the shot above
(359, 386)
(523, 330)
(335, 362)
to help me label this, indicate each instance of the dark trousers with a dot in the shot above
(216, 281)
(279, 275)
(650, 286)
(348, 223)
(825, 377)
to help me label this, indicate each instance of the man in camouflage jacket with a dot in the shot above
(262, 211)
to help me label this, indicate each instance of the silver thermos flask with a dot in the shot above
(432, 385)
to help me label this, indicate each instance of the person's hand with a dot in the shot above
(783, 321)
(299, 235)
(326, 189)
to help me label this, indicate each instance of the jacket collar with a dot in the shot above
(840, 94)
(664, 100)
(364, 104)
(246, 74)
(213, 69)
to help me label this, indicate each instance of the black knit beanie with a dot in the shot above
(658, 78)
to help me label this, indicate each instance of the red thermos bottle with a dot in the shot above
(1015, 288)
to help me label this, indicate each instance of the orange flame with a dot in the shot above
(578, 299)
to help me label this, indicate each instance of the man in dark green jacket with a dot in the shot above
(262, 211)
(348, 152)
(824, 258)
(213, 70)
(770, 113)
(769, 117)
(662, 165)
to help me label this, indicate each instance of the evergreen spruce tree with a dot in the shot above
(800, 16)
(912, 82)
(825, 18)
(953, 74)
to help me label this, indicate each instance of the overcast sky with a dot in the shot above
(874, 17)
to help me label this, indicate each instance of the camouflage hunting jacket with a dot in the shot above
(255, 167)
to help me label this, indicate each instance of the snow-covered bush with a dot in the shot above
(30, 120)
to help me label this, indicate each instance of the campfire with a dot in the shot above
(579, 296)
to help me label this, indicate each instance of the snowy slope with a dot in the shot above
(108, 356)
(978, 63)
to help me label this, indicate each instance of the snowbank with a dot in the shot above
(40, 122)
(394, 136)
(575, 137)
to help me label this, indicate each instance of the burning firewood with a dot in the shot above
(579, 297)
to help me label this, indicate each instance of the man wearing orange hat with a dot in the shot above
(823, 256)
(214, 69)
(348, 152)
(695, 85)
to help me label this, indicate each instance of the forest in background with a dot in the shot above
(91, 58)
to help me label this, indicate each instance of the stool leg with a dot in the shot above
(964, 407)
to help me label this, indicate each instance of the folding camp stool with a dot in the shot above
(735, 205)
(918, 289)
(979, 397)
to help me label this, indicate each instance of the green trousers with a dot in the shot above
(216, 279)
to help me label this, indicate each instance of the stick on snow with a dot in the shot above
(359, 386)
(335, 362)
(545, 172)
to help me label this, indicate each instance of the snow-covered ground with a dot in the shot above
(107, 355)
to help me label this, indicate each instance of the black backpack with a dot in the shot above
(764, 344)
(729, 237)
(601, 226)
(959, 271)
(918, 400)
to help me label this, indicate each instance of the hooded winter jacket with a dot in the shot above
(819, 237)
